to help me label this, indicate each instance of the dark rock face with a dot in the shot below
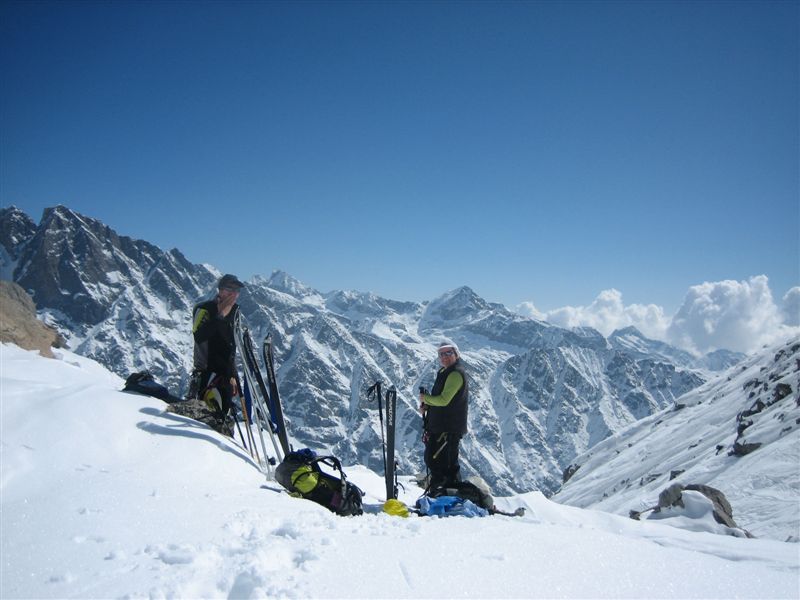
(569, 472)
(79, 267)
(16, 230)
(765, 392)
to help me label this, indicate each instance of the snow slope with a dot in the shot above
(106, 496)
(694, 442)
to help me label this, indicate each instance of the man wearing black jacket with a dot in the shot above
(445, 410)
(214, 343)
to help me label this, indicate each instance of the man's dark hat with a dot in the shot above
(229, 281)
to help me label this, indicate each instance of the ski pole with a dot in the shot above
(425, 434)
(241, 436)
(249, 431)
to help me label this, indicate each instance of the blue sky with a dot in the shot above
(537, 152)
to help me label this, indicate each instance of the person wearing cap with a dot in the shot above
(214, 343)
(445, 416)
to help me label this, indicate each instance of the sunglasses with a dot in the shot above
(446, 353)
(229, 289)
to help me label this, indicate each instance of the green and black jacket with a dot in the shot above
(448, 401)
(214, 343)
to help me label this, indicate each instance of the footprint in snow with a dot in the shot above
(245, 586)
(303, 557)
(81, 539)
(288, 530)
(63, 578)
(89, 511)
(173, 554)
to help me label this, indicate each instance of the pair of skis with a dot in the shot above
(387, 441)
(261, 399)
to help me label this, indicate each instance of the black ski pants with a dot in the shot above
(441, 458)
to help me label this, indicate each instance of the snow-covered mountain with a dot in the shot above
(123, 302)
(739, 433)
(632, 340)
(151, 504)
(540, 394)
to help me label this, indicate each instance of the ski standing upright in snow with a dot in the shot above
(387, 436)
(391, 465)
(275, 406)
(259, 396)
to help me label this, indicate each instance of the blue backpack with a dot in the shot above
(449, 506)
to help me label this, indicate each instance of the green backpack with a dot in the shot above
(301, 475)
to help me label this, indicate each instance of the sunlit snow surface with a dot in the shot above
(106, 496)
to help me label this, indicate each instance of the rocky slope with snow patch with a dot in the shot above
(739, 433)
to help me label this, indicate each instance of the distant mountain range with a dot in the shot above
(540, 394)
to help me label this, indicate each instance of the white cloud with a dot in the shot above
(735, 315)
(791, 307)
(606, 313)
(527, 309)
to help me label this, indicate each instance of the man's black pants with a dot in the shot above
(441, 458)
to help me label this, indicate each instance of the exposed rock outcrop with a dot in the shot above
(723, 512)
(19, 325)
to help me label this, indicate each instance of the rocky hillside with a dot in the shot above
(19, 324)
(739, 433)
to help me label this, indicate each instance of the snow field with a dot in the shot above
(106, 496)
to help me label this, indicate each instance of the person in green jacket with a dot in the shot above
(445, 415)
(214, 345)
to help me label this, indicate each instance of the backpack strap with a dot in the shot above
(332, 462)
(335, 464)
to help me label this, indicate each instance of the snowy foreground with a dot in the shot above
(106, 496)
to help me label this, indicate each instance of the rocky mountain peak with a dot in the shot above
(629, 331)
(283, 282)
(16, 229)
(456, 305)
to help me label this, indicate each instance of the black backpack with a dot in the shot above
(301, 475)
(144, 383)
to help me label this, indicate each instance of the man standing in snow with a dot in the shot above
(445, 412)
(214, 343)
